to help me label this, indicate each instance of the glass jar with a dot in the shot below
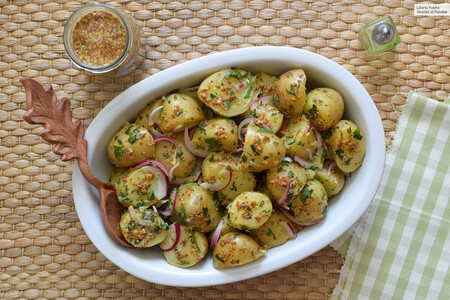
(103, 40)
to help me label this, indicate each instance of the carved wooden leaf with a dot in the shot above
(44, 109)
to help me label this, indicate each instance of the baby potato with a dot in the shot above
(278, 177)
(267, 115)
(347, 145)
(266, 83)
(130, 145)
(115, 173)
(332, 181)
(216, 134)
(291, 92)
(235, 249)
(311, 205)
(250, 210)
(195, 205)
(136, 187)
(274, 233)
(189, 251)
(262, 149)
(324, 107)
(143, 235)
(180, 111)
(169, 155)
(299, 138)
(228, 92)
(142, 117)
(215, 164)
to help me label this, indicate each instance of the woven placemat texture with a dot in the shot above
(44, 252)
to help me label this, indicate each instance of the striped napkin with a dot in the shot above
(400, 248)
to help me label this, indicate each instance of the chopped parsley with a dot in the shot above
(254, 149)
(306, 193)
(236, 74)
(276, 100)
(266, 130)
(213, 95)
(213, 144)
(249, 90)
(219, 259)
(291, 90)
(118, 151)
(312, 112)
(357, 134)
(339, 152)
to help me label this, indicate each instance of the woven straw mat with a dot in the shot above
(44, 251)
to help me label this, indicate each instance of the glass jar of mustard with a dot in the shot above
(103, 40)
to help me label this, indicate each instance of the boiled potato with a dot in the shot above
(216, 134)
(266, 83)
(262, 149)
(235, 249)
(169, 155)
(142, 117)
(228, 92)
(278, 177)
(189, 251)
(132, 144)
(250, 210)
(347, 145)
(267, 115)
(299, 138)
(290, 92)
(215, 164)
(324, 107)
(274, 232)
(311, 205)
(333, 181)
(115, 173)
(139, 187)
(143, 235)
(180, 111)
(195, 205)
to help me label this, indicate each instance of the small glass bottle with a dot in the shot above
(103, 40)
(379, 35)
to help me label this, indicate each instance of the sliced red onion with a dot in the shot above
(194, 176)
(155, 163)
(288, 159)
(177, 231)
(286, 194)
(265, 126)
(220, 184)
(318, 136)
(330, 166)
(349, 175)
(266, 98)
(136, 218)
(287, 215)
(305, 164)
(290, 231)
(169, 211)
(165, 138)
(171, 171)
(191, 147)
(239, 86)
(243, 123)
(162, 187)
(254, 104)
(150, 122)
(309, 129)
(216, 235)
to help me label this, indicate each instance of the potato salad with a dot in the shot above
(232, 167)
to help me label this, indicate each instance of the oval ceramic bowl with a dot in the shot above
(344, 209)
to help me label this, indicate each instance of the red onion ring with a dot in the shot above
(165, 138)
(216, 235)
(155, 163)
(177, 229)
(163, 185)
(287, 215)
(171, 171)
(194, 176)
(286, 194)
(330, 166)
(305, 164)
(167, 212)
(290, 231)
(309, 129)
(266, 98)
(218, 185)
(288, 159)
(191, 147)
(223, 74)
(239, 86)
(150, 120)
(243, 123)
(137, 219)
(309, 152)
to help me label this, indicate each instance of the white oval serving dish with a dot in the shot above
(344, 209)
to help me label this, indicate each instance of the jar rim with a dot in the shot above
(72, 21)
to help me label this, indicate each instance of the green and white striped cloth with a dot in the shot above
(400, 248)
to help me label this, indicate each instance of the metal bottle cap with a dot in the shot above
(383, 33)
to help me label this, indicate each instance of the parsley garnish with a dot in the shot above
(276, 100)
(357, 134)
(254, 149)
(213, 144)
(118, 151)
(249, 90)
(306, 193)
(339, 152)
(266, 130)
(312, 112)
(219, 259)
